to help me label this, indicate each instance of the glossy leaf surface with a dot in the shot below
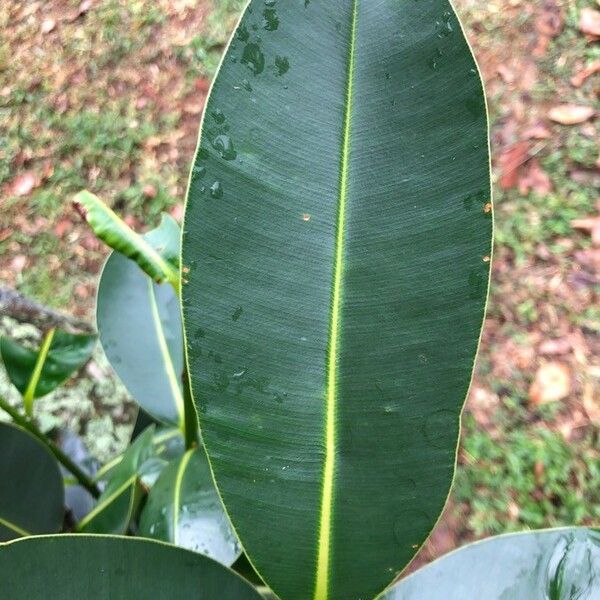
(36, 373)
(114, 232)
(560, 564)
(139, 324)
(338, 236)
(102, 567)
(184, 508)
(31, 486)
(117, 502)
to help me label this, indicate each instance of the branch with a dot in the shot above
(15, 305)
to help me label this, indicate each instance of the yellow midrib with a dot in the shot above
(166, 355)
(14, 527)
(185, 459)
(29, 395)
(324, 542)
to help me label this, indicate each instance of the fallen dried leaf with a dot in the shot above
(555, 347)
(535, 180)
(177, 212)
(149, 191)
(47, 26)
(579, 78)
(552, 383)
(24, 183)
(591, 403)
(589, 22)
(591, 225)
(509, 162)
(62, 227)
(570, 114)
(538, 131)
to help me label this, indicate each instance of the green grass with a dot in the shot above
(527, 477)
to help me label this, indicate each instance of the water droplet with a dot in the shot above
(239, 374)
(199, 171)
(270, 19)
(242, 33)
(572, 568)
(253, 58)
(434, 61)
(388, 76)
(218, 115)
(246, 85)
(216, 190)
(282, 64)
(237, 313)
(444, 26)
(269, 2)
(224, 146)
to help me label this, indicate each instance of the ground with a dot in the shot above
(107, 95)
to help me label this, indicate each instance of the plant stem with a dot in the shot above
(189, 413)
(82, 477)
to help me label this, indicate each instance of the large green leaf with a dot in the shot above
(66, 567)
(139, 323)
(37, 373)
(338, 233)
(184, 508)
(31, 486)
(560, 564)
(160, 264)
(118, 500)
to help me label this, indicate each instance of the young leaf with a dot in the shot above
(338, 234)
(161, 267)
(118, 500)
(559, 564)
(139, 324)
(64, 567)
(31, 486)
(37, 373)
(184, 508)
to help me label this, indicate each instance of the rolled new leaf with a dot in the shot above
(37, 373)
(139, 324)
(115, 233)
(118, 501)
(31, 486)
(557, 564)
(184, 508)
(338, 236)
(101, 567)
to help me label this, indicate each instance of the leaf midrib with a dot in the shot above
(321, 591)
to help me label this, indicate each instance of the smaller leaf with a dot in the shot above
(31, 487)
(114, 232)
(139, 324)
(184, 508)
(555, 563)
(37, 373)
(117, 503)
